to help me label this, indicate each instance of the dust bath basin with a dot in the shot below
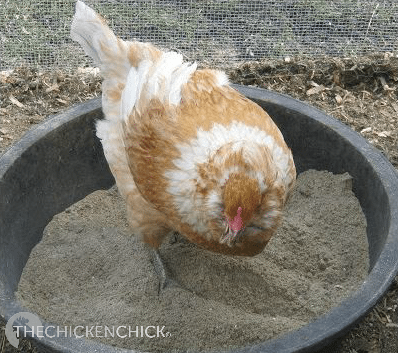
(61, 161)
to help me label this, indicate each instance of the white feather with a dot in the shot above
(85, 28)
(132, 91)
(180, 77)
(222, 78)
(163, 79)
(161, 75)
(93, 35)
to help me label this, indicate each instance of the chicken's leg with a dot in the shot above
(165, 280)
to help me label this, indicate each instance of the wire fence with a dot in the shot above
(213, 32)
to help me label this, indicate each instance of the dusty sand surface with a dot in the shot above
(89, 270)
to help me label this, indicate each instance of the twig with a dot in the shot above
(371, 18)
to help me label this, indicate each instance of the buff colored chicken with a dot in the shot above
(189, 153)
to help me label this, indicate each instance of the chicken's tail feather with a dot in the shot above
(99, 42)
(112, 56)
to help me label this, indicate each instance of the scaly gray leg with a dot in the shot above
(165, 280)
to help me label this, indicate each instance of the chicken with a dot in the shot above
(188, 152)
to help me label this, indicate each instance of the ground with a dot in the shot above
(361, 92)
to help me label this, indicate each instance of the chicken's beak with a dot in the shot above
(230, 235)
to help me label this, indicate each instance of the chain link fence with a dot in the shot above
(214, 32)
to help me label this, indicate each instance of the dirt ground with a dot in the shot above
(361, 92)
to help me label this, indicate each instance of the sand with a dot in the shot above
(89, 270)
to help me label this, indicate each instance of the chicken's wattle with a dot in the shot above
(236, 224)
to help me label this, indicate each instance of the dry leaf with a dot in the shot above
(88, 70)
(336, 78)
(385, 85)
(4, 75)
(395, 106)
(4, 133)
(15, 101)
(385, 113)
(61, 101)
(367, 129)
(54, 87)
(383, 133)
(315, 90)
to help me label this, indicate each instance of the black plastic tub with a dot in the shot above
(61, 161)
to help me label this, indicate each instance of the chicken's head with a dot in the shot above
(241, 199)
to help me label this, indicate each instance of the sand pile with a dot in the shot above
(89, 270)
